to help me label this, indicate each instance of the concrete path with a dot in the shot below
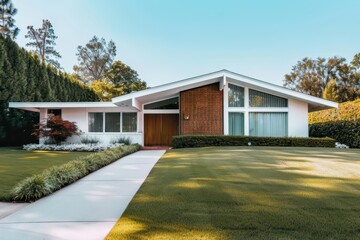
(86, 209)
(7, 208)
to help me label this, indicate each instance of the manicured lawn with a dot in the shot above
(247, 193)
(17, 164)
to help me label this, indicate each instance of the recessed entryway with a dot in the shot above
(160, 128)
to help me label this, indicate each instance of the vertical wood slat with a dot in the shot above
(204, 107)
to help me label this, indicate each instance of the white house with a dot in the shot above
(221, 102)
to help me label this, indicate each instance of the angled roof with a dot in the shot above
(173, 89)
(134, 100)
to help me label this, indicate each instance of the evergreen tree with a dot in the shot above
(7, 22)
(43, 40)
(24, 78)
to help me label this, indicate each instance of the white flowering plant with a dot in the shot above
(72, 147)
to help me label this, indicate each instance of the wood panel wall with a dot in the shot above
(201, 110)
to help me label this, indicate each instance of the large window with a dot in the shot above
(172, 103)
(260, 99)
(112, 122)
(236, 96)
(129, 122)
(96, 122)
(271, 124)
(236, 123)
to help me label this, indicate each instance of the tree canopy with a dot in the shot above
(7, 21)
(120, 79)
(123, 76)
(313, 76)
(43, 41)
(94, 59)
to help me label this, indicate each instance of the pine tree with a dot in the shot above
(43, 40)
(7, 22)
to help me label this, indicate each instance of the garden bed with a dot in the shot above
(56, 177)
(81, 147)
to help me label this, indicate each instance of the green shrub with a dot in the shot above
(89, 140)
(124, 140)
(222, 140)
(34, 187)
(346, 132)
(56, 177)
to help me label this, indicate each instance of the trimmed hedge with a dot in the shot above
(347, 111)
(345, 132)
(224, 140)
(56, 177)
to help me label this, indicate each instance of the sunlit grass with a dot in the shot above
(17, 164)
(247, 193)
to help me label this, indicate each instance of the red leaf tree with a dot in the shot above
(56, 129)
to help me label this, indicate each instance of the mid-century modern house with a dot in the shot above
(221, 102)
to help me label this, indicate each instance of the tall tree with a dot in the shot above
(124, 77)
(7, 21)
(311, 76)
(95, 58)
(43, 40)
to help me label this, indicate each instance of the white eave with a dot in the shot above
(223, 76)
(36, 106)
(136, 99)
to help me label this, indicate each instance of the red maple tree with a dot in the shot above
(56, 129)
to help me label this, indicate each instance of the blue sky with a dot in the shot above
(168, 40)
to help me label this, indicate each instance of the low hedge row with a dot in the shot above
(345, 132)
(223, 140)
(56, 177)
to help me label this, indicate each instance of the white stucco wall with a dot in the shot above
(80, 116)
(297, 118)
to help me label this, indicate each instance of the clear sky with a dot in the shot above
(169, 40)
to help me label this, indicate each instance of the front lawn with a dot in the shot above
(17, 164)
(247, 193)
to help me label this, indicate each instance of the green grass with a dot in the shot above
(247, 193)
(17, 164)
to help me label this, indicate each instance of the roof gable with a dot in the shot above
(222, 76)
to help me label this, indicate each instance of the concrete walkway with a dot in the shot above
(86, 209)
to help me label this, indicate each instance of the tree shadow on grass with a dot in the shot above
(244, 193)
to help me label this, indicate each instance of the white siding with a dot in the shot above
(80, 116)
(298, 118)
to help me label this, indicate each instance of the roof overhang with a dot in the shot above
(36, 106)
(135, 100)
(173, 89)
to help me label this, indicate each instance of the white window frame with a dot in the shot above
(121, 123)
(246, 109)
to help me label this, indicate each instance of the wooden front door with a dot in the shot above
(160, 128)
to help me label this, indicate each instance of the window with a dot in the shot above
(129, 123)
(172, 103)
(236, 123)
(54, 112)
(236, 96)
(260, 99)
(272, 124)
(112, 122)
(96, 122)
